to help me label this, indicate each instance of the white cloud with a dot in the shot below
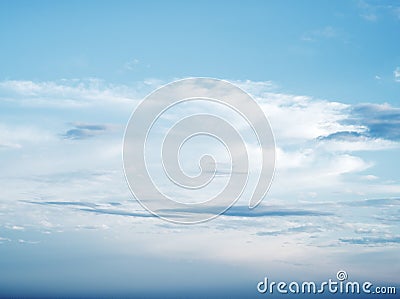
(294, 159)
(304, 159)
(73, 93)
(256, 88)
(2, 240)
(318, 142)
(370, 177)
(17, 227)
(358, 144)
(396, 74)
(297, 119)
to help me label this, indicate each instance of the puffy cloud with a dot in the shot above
(296, 119)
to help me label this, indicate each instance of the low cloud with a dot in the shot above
(310, 229)
(372, 240)
(244, 211)
(377, 124)
(380, 121)
(388, 202)
(84, 131)
(97, 208)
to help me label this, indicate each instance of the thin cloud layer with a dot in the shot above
(380, 121)
(84, 131)
(66, 176)
(372, 240)
(73, 93)
(318, 141)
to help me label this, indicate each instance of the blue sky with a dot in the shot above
(327, 76)
(324, 49)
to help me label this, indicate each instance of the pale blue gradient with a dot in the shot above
(72, 72)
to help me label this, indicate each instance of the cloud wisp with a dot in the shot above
(84, 131)
(396, 74)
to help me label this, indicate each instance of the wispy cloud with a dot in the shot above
(372, 240)
(84, 131)
(3, 240)
(74, 93)
(381, 121)
(97, 208)
(131, 64)
(373, 11)
(396, 74)
(376, 126)
(271, 211)
(327, 32)
(388, 202)
(292, 230)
